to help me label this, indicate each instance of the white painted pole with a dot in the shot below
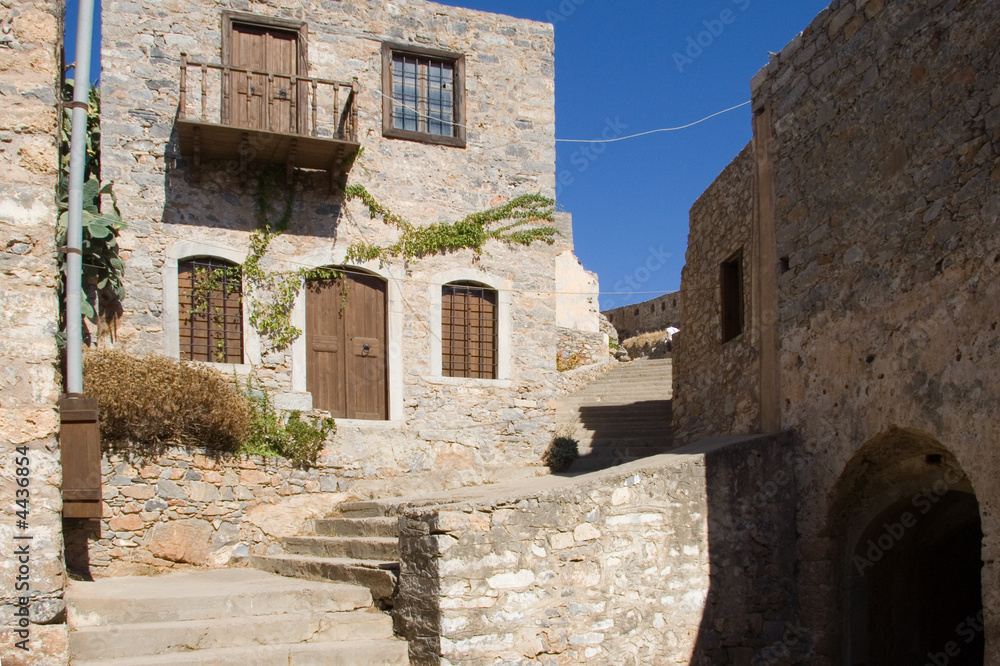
(74, 231)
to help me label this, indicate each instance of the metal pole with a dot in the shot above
(74, 230)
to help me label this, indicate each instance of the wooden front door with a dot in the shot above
(346, 354)
(265, 100)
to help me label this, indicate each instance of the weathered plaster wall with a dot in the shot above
(459, 428)
(653, 315)
(650, 562)
(716, 384)
(29, 385)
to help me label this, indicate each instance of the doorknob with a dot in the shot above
(365, 348)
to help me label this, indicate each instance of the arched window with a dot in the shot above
(468, 331)
(210, 310)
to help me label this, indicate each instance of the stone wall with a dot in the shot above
(440, 427)
(579, 348)
(650, 562)
(889, 307)
(885, 117)
(29, 385)
(653, 315)
(184, 509)
(716, 384)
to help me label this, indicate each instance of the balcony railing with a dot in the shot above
(243, 114)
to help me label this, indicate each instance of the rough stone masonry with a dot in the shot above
(29, 387)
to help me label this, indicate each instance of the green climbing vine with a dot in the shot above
(471, 232)
(271, 294)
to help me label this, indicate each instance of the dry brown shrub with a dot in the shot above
(148, 402)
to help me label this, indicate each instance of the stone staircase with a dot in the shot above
(361, 547)
(237, 617)
(621, 417)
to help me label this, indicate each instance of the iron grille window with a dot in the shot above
(424, 95)
(210, 306)
(468, 331)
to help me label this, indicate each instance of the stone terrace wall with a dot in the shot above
(886, 118)
(29, 385)
(187, 509)
(715, 383)
(653, 315)
(651, 562)
(461, 427)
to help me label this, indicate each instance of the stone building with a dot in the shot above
(842, 282)
(440, 370)
(29, 390)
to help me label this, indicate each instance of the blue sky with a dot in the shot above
(629, 66)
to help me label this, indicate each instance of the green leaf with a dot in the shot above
(98, 230)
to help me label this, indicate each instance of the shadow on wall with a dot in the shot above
(621, 433)
(907, 558)
(750, 611)
(222, 194)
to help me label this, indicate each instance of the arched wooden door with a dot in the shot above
(346, 364)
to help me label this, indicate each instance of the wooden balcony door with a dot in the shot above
(346, 353)
(257, 102)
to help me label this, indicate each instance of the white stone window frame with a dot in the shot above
(394, 334)
(171, 308)
(504, 326)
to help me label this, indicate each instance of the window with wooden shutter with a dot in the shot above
(210, 307)
(424, 96)
(468, 331)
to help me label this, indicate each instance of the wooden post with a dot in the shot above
(269, 105)
(337, 113)
(226, 112)
(182, 102)
(249, 109)
(204, 91)
(80, 447)
(315, 95)
(293, 122)
(355, 94)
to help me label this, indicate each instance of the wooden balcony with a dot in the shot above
(246, 116)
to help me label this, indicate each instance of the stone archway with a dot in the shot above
(911, 547)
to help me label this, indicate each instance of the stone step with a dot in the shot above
(367, 509)
(345, 653)
(204, 595)
(361, 527)
(152, 638)
(606, 438)
(634, 391)
(596, 418)
(379, 577)
(362, 548)
(628, 408)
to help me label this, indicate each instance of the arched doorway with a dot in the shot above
(912, 586)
